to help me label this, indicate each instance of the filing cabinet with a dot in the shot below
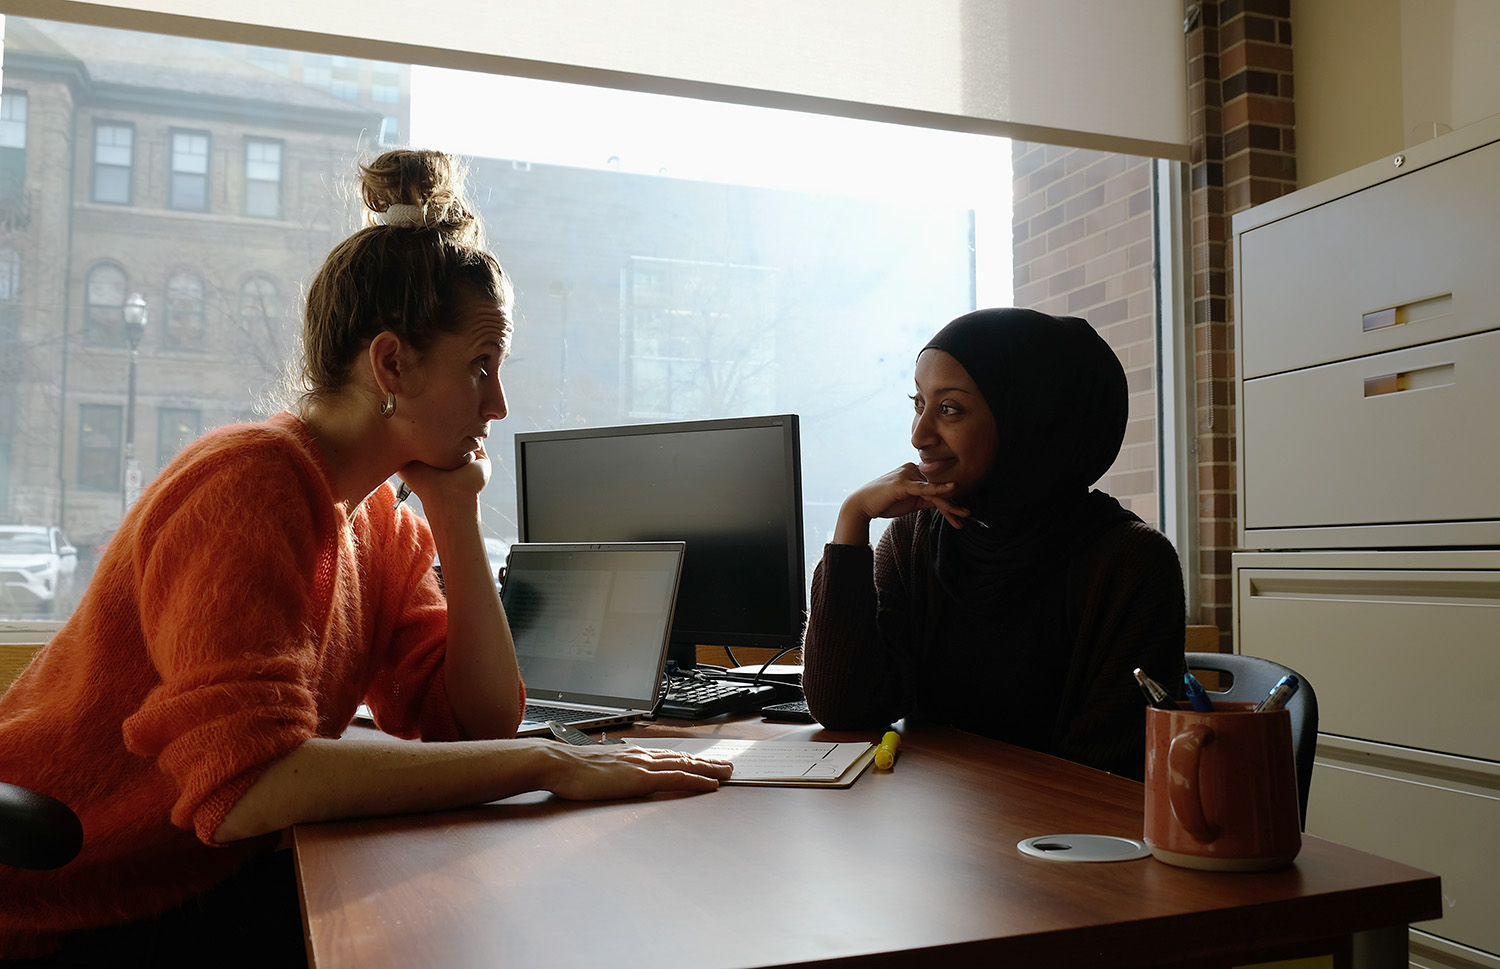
(1368, 342)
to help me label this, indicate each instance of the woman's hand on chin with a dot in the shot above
(441, 485)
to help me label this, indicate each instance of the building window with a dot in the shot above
(317, 70)
(104, 296)
(275, 61)
(184, 328)
(260, 307)
(12, 148)
(385, 83)
(189, 176)
(263, 178)
(176, 427)
(390, 131)
(344, 78)
(99, 446)
(701, 339)
(7, 423)
(10, 294)
(114, 147)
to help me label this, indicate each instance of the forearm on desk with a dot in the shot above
(324, 780)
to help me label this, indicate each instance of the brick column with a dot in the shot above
(1241, 129)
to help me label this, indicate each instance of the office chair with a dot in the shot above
(1251, 678)
(36, 831)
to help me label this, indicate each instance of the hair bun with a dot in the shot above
(418, 187)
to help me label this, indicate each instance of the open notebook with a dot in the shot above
(591, 622)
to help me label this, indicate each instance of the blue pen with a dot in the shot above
(1196, 695)
(1280, 693)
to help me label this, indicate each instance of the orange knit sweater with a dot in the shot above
(237, 612)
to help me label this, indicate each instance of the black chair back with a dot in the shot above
(36, 831)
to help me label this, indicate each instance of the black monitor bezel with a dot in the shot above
(685, 641)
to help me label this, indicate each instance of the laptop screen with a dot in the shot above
(591, 621)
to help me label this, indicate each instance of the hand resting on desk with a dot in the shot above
(325, 780)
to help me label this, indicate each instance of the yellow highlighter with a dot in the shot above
(885, 754)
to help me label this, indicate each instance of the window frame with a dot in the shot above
(85, 450)
(163, 438)
(278, 183)
(172, 293)
(115, 328)
(176, 176)
(97, 167)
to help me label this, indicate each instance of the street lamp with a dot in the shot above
(134, 314)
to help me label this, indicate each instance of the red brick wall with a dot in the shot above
(1242, 131)
(1083, 226)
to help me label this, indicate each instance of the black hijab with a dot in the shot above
(1058, 395)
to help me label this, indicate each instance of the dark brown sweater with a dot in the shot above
(875, 651)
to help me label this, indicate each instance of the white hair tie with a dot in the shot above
(403, 214)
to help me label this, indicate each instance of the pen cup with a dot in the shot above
(1221, 788)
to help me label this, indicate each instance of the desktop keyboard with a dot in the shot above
(690, 698)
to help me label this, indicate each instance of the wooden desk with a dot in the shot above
(915, 867)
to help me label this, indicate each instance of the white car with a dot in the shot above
(37, 564)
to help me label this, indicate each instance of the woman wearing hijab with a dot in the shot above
(1005, 598)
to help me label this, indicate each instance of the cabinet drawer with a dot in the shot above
(1401, 657)
(1430, 813)
(1400, 263)
(1387, 439)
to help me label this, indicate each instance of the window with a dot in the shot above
(317, 70)
(731, 260)
(103, 322)
(13, 106)
(176, 427)
(10, 294)
(7, 424)
(263, 178)
(275, 61)
(113, 159)
(188, 188)
(99, 446)
(385, 83)
(344, 78)
(260, 306)
(184, 327)
(702, 339)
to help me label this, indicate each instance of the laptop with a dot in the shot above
(591, 623)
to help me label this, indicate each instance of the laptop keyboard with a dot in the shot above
(701, 699)
(541, 714)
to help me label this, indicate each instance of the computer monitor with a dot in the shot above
(730, 488)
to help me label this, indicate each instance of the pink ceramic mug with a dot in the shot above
(1221, 788)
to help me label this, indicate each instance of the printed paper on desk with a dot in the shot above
(779, 763)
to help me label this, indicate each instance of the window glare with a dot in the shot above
(673, 259)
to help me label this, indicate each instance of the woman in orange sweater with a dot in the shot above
(267, 583)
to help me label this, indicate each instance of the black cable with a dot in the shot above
(767, 665)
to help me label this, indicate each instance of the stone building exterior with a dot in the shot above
(182, 171)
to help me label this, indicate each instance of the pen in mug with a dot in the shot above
(1156, 695)
(1197, 696)
(402, 493)
(1280, 693)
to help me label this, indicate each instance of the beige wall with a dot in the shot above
(1376, 76)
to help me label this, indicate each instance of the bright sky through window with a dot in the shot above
(564, 124)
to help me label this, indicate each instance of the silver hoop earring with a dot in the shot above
(388, 406)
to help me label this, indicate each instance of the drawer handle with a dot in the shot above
(1422, 379)
(1422, 309)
